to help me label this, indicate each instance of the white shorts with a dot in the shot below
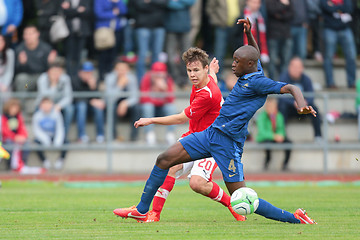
(203, 168)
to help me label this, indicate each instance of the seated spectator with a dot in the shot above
(56, 85)
(14, 131)
(87, 82)
(337, 29)
(271, 129)
(157, 99)
(122, 84)
(48, 130)
(295, 75)
(33, 57)
(7, 65)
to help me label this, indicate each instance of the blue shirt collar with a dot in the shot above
(246, 76)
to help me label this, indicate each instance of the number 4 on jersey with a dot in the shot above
(232, 165)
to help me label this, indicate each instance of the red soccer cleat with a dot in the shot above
(303, 217)
(237, 216)
(130, 212)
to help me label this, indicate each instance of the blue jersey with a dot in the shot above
(248, 95)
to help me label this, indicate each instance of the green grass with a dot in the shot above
(41, 210)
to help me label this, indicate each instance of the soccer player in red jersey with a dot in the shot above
(205, 104)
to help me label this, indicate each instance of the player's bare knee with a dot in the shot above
(196, 185)
(162, 161)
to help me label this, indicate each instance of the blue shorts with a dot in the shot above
(226, 152)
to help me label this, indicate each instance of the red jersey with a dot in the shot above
(205, 105)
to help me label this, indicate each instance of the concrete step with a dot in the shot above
(143, 160)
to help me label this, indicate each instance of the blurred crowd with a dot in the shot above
(131, 50)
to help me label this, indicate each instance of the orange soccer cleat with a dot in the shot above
(237, 216)
(151, 217)
(303, 217)
(130, 212)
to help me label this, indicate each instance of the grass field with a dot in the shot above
(43, 210)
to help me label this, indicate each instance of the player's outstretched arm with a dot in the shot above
(247, 31)
(302, 108)
(175, 119)
(214, 69)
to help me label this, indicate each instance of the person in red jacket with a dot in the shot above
(157, 99)
(13, 129)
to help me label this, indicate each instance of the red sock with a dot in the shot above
(217, 194)
(162, 193)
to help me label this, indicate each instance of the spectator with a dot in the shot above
(45, 9)
(78, 15)
(13, 129)
(355, 24)
(56, 85)
(271, 129)
(86, 81)
(337, 28)
(149, 31)
(33, 57)
(252, 11)
(11, 15)
(109, 14)
(123, 85)
(315, 27)
(48, 129)
(295, 75)
(223, 15)
(279, 14)
(129, 36)
(157, 99)
(7, 65)
(195, 18)
(358, 104)
(178, 25)
(299, 28)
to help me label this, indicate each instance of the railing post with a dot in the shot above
(109, 132)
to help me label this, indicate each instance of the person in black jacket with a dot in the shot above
(45, 9)
(79, 18)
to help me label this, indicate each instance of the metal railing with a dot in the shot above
(109, 146)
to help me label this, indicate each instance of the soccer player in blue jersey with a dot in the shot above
(224, 139)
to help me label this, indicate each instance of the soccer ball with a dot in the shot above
(244, 201)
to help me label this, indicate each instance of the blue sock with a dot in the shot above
(269, 211)
(155, 180)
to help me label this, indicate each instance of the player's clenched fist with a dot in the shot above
(142, 122)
